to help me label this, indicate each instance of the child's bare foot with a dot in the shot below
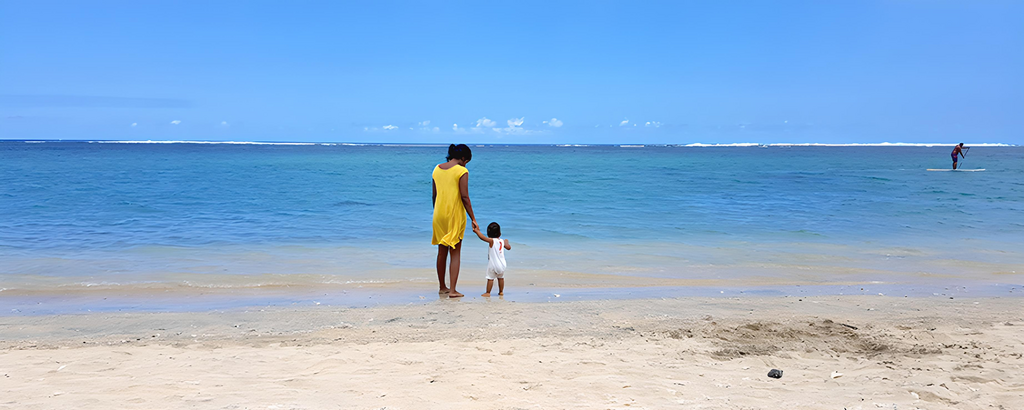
(486, 295)
(454, 294)
(445, 290)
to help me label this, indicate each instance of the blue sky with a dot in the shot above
(514, 72)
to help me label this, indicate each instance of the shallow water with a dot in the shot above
(138, 218)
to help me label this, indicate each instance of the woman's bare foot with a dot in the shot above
(501, 294)
(454, 294)
(486, 295)
(442, 291)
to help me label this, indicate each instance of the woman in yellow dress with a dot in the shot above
(451, 203)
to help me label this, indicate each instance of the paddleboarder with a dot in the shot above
(958, 150)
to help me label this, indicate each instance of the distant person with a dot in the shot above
(958, 150)
(495, 257)
(451, 203)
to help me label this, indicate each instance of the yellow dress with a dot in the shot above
(449, 212)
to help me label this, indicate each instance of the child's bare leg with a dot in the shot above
(501, 286)
(490, 285)
(453, 269)
(442, 259)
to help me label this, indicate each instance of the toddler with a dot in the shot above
(495, 257)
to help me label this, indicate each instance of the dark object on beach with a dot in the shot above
(775, 374)
(851, 327)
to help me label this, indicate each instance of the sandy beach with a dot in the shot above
(852, 352)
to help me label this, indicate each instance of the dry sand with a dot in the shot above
(893, 353)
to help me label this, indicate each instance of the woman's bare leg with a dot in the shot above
(453, 269)
(442, 259)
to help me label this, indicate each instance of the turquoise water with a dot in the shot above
(129, 218)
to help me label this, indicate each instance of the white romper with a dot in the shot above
(496, 259)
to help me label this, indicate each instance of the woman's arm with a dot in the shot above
(464, 191)
(433, 197)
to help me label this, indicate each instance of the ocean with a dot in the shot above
(102, 226)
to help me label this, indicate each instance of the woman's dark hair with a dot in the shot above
(460, 151)
(494, 230)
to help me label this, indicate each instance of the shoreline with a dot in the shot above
(645, 353)
(199, 299)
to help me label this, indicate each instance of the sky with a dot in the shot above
(587, 72)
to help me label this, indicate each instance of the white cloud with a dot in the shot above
(135, 124)
(385, 128)
(515, 126)
(465, 130)
(176, 122)
(624, 123)
(224, 123)
(653, 124)
(425, 127)
(554, 122)
(484, 122)
(481, 126)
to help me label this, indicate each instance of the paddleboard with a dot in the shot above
(956, 170)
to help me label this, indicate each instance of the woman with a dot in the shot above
(451, 203)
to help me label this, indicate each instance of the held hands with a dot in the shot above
(476, 230)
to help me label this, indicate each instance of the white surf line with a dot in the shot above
(858, 144)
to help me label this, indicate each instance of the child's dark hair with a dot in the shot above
(460, 151)
(493, 230)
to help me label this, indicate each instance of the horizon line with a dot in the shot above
(434, 144)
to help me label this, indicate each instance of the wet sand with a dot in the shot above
(892, 352)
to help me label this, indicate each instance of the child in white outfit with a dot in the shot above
(495, 257)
